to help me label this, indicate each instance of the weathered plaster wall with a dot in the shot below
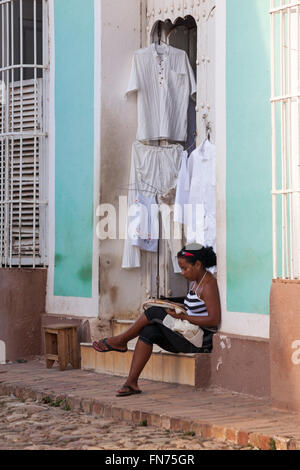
(121, 291)
(237, 363)
(242, 364)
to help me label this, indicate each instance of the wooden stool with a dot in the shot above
(61, 345)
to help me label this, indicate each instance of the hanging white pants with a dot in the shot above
(154, 171)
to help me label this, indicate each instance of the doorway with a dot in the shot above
(163, 280)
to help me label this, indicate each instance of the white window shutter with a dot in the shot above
(2, 170)
(21, 173)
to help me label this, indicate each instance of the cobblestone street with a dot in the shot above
(32, 425)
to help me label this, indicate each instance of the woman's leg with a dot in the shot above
(149, 335)
(120, 341)
(141, 356)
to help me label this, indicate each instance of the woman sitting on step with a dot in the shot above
(159, 326)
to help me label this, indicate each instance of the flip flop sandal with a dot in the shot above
(108, 347)
(131, 391)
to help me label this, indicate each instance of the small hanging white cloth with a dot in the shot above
(143, 227)
(201, 184)
(182, 191)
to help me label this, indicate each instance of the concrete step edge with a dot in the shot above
(131, 347)
(205, 429)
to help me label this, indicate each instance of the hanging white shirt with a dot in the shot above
(201, 183)
(164, 79)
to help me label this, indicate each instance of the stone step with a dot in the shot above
(163, 366)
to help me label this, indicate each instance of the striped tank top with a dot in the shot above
(196, 307)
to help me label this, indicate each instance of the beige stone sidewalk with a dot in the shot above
(213, 413)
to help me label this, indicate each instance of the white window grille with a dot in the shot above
(23, 189)
(285, 102)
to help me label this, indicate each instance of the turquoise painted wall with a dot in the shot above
(249, 157)
(74, 147)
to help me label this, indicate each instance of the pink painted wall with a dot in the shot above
(22, 303)
(285, 344)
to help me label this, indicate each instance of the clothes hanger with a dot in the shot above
(208, 131)
(208, 128)
(135, 188)
(211, 11)
(154, 189)
(159, 40)
(159, 32)
(151, 190)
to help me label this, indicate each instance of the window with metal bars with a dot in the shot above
(285, 102)
(23, 156)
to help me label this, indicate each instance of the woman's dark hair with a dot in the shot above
(194, 253)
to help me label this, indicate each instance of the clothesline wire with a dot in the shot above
(139, 190)
(136, 188)
(151, 186)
